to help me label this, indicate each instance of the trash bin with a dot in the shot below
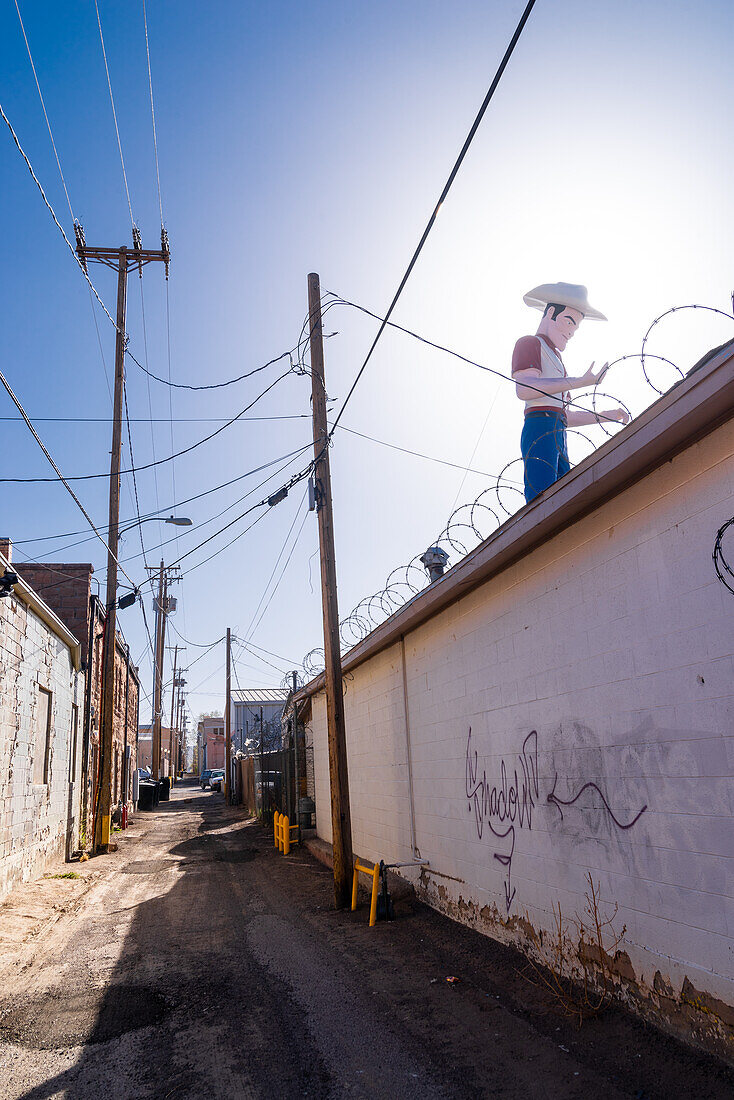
(147, 794)
(164, 788)
(306, 810)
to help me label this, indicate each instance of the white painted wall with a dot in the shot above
(614, 642)
(34, 817)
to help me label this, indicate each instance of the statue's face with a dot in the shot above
(561, 329)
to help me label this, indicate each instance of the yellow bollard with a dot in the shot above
(286, 836)
(375, 872)
(375, 886)
(275, 828)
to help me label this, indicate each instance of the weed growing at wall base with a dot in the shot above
(576, 966)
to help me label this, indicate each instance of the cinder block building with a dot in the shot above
(67, 589)
(559, 704)
(41, 701)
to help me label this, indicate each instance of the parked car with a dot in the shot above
(205, 777)
(216, 780)
(144, 773)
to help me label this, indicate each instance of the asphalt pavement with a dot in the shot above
(197, 962)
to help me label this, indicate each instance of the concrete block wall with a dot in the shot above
(34, 818)
(574, 715)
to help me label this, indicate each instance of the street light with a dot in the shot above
(177, 521)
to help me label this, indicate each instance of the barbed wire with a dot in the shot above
(472, 523)
(724, 571)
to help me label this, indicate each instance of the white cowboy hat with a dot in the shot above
(563, 294)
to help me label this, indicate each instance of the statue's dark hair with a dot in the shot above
(557, 310)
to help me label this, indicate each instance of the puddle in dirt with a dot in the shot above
(62, 1020)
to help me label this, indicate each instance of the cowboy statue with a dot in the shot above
(542, 383)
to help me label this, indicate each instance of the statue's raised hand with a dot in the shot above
(591, 378)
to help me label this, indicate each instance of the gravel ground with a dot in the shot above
(201, 963)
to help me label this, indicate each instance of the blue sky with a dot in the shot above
(317, 137)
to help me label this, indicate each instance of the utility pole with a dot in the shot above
(228, 723)
(160, 638)
(173, 707)
(295, 753)
(341, 820)
(179, 707)
(181, 732)
(121, 260)
(164, 604)
(262, 768)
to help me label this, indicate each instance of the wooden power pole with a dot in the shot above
(160, 642)
(341, 821)
(173, 714)
(228, 722)
(121, 260)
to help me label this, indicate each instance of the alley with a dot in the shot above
(199, 962)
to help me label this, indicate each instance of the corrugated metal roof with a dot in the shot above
(260, 695)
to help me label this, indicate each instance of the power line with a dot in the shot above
(52, 212)
(251, 628)
(420, 454)
(282, 573)
(59, 475)
(179, 504)
(211, 385)
(114, 114)
(135, 481)
(160, 461)
(152, 113)
(197, 645)
(45, 113)
(287, 661)
(211, 519)
(147, 380)
(149, 420)
(447, 187)
(261, 504)
(570, 403)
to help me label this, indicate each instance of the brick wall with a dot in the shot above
(35, 817)
(574, 714)
(66, 588)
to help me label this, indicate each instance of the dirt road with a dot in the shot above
(197, 962)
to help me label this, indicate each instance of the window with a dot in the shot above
(73, 741)
(42, 739)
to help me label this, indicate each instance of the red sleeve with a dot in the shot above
(526, 355)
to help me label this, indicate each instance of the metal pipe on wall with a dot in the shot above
(409, 759)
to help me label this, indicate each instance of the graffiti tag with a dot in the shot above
(507, 804)
(558, 802)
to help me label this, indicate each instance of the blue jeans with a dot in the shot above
(543, 445)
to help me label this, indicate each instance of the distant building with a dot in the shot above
(145, 749)
(41, 701)
(210, 743)
(247, 707)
